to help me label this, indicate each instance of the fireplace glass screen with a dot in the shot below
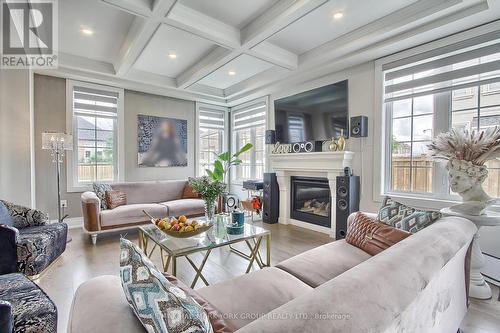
(311, 200)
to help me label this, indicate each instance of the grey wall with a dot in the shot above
(50, 115)
(140, 103)
(15, 136)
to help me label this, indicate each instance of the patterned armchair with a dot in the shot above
(28, 244)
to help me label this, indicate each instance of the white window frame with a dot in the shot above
(381, 127)
(225, 140)
(72, 155)
(234, 111)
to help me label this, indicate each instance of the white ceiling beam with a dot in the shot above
(193, 21)
(136, 7)
(276, 18)
(352, 57)
(76, 62)
(125, 83)
(275, 55)
(139, 34)
(377, 30)
(207, 90)
(213, 60)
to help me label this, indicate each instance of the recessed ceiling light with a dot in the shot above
(231, 73)
(87, 32)
(172, 55)
(338, 15)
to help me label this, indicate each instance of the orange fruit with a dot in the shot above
(182, 219)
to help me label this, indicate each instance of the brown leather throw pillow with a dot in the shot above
(189, 193)
(115, 199)
(372, 236)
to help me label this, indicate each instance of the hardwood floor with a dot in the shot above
(83, 261)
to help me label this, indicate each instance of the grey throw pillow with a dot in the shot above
(160, 305)
(100, 190)
(404, 217)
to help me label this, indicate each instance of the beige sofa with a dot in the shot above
(417, 285)
(158, 198)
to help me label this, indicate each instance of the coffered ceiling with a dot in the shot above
(227, 51)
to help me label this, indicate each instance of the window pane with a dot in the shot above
(107, 124)
(490, 117)
(423, 127)
(464, 98)
(105, 172)
(401, 129)
(85, 122)
(464, 119)
(492, 182)
(401, 168)
(421, 178)
(401, 108)
(423, 105)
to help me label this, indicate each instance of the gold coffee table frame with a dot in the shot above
(252, 237)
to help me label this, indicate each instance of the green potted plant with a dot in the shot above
(209, 190)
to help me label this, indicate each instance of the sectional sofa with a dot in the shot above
(158, 198)
(417, 285)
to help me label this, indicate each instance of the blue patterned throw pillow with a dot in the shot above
(100, 190)
(161, 306)
(404, 217)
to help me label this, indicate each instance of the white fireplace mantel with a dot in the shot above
(318, 164)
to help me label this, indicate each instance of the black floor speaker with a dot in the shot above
(347, 202)
(271, 199)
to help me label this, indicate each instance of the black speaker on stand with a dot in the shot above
(271, 199)
(348, 188)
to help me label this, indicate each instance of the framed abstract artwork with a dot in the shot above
(161, 142)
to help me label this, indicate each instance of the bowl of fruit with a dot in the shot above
(180, 227)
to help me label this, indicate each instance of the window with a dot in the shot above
(248, 125)
(211, 127)
(430, 93)
(94, 111)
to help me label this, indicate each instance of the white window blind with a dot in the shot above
(95, 115)
(211, 129)
(471, 62)
(249, 116)
(248, 125)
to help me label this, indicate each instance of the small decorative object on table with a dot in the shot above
(466, 153)
(179, 227)
(237, 224)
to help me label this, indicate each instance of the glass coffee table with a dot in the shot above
(172, 248)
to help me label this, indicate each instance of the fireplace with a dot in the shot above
(311, 200)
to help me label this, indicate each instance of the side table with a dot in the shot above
(478, 287)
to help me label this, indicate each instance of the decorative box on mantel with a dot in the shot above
(319, 164)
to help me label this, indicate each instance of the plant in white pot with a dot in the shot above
(466, 154)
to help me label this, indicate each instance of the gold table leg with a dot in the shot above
(253, 255)
(198, 270)
(268, 250)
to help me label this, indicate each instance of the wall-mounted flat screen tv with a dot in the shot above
(314, 115)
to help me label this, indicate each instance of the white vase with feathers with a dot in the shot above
(466, 153)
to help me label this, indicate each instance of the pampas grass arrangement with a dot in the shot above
(471, 146)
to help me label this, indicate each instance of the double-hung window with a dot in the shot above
(94, 112)
(429, 93)
(248, 125)
(211, 135)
